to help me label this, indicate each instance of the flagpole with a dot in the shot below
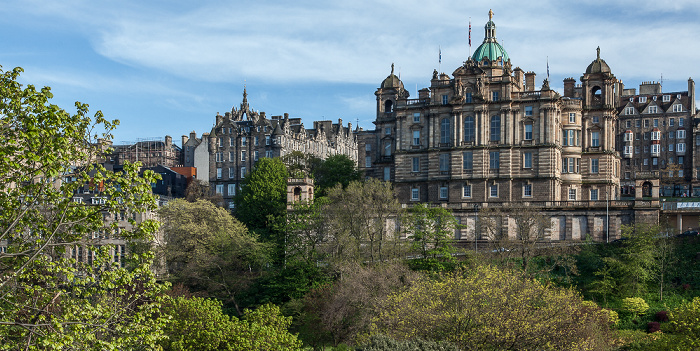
(470, 36)
(439, 59)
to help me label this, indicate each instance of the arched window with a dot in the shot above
(469, 129)
(496, 128)
(445, 131)
(388, 106)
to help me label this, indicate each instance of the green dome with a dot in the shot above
(490, 48)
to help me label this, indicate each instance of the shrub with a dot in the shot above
(683, 321)
(661, 316)
(613, 317)
(634, 305)
(653, 327)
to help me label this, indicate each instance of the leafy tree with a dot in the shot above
(48, 299)
(208, 250)
(431, 230)
(337, 169)
(362, 217)
(262, 202)
(307, 229)
(684, 323)
(491, 309)
(300, 164)
(200, 324)
(200, 190)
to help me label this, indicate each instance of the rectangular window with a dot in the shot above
(628, 124)
(415, 194)
(572, 194)
(267, 140)
(680, 160)
(242, 172)
(415, 167)
(671, 135)
(595, 139)
(218, 173)
(221, 142)
(594, 165)
(680, 147)
(268, 153)
(629, 110)
(244, 141)
(652, 109)
(656, 120)
(677, 108)
(387, 174)
(468, 160)
(368, 161)
(646, 123)
(528, 132)
(467, 190)
(671, 122)
(493, 190)
(444, 100)
(494, 159)
(670, 147)
(572, 117)
(594, 194)
(680, 173)
(680, 134)
(642, 99)
(444, 163)
(596, 119)
(232, 141)
(220, 189)
(416, 137)
(494, 95)
(528, 110)
(243, 156)
(219, 157)
(232, 172)
(368, 147)
(231, 156)
(256, 155)
(667, 98)
(231, 190)
(681, 122)
(468, 98)
(387, 149)
(527, 190)
(443, 192)
(656, 149)
(257, 139)
(639, 123)
(387, 131)
(416, 117)
(527, 160)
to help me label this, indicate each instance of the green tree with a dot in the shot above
(262, 202)
(210, 251)
(300, 164)
(307, 229)
(48, 299)
(337, 169)
(200, 190)
(431, 230)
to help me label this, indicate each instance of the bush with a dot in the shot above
(653, 327)
(661, 316)
(684, 321)
(634, 305)
(385, 343)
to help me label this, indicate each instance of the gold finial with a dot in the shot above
(490, 14)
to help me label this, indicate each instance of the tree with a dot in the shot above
(50, 299)
(491, 309)
(337, 169)
(200, 324)
(364, 216)
(199, 189)
(208, 250)
(300, 164)
(307, 229)
(262, 202)
(431, 230)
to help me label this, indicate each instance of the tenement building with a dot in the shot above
(241, 137)
(488, 137)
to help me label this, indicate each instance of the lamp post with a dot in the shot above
(476, 227)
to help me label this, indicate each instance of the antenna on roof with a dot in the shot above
(661, 83)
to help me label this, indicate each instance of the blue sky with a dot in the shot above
(167, 67)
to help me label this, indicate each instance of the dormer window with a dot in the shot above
(666, 98)
(654, 98)
(677, 108)
(629, 110)
(652, 109)
(642, 99)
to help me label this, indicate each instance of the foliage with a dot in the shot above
(363, 221)
(291, 281)
(262, 202)
(486, 308)
(431, 230)
(385, 343)
(307, 229)
(634, 305)
(200, 190)
(208, 250)
(48, 299)
(336, 169)
(684, 321)
(340, 312)
(199, 324)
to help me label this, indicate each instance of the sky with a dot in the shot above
(167, 67)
